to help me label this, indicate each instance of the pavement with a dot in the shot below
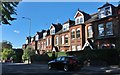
(107, 69)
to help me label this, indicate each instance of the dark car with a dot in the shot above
(64, 62)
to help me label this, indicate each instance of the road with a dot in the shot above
(42, 69)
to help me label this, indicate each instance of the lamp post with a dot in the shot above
(29, 40)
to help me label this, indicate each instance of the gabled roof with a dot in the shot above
(107, 4)
(40, 34)
(48, 32)
(57, 26)
(71, 22)
(86, 16)
(79, 11)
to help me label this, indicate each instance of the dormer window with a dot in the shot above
(107, 11)
(104, 12)
(52, 31)
(32, 39)
(79, 17)
(26, 41)
(66, 27)
(37, 37)
(79, 20)
(44, 35)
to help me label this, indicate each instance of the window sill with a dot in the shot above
(105, 37)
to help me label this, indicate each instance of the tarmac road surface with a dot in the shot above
(42, 69)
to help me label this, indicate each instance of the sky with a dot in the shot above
(42, 15)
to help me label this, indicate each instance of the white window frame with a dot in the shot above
(27, 41)
(37, 37)
(90, 32)
(110, 32)
(32, 39)
(101, 30)
(78, 20)
(76, 32)
(102, 12)
(79, 47)
(73, 48)
(44, 34)
(47, 41)
(50, 40)
(67, 38)
(73, 30)
(52, 31)
(56, 40)
(63, 40)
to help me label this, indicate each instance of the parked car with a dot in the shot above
(65, 62)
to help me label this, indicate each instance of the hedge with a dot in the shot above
(40, 58)
(110, 56)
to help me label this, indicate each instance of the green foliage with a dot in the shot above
(8, 9)
(28, 52)
(58, 54)
(8, 53)
(61, 54)
(6, 45)
(110, 56)
(44, 58)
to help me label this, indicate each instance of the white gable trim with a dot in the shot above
(87, 44)
(51, 26)
(77, 13)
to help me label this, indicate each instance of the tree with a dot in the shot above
(28, 52)
(8, 9)
(6, 45)
(7, 54)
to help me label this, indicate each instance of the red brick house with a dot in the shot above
(62, 37)
(54, 28)
(98, 30)
(104, 27)
(77, 31)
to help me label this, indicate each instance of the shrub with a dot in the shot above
(7, 54)
(28, 52)
(40, 58)
(110, 56)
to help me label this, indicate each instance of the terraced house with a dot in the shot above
(95, 31)
(102, 29)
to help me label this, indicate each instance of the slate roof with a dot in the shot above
(86, 16)
(71, 22)
(107, 4)
(93, 18)
(57, 26)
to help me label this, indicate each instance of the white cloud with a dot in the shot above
(16, 31)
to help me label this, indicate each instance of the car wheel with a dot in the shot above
(49, 67)
(65, 68)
